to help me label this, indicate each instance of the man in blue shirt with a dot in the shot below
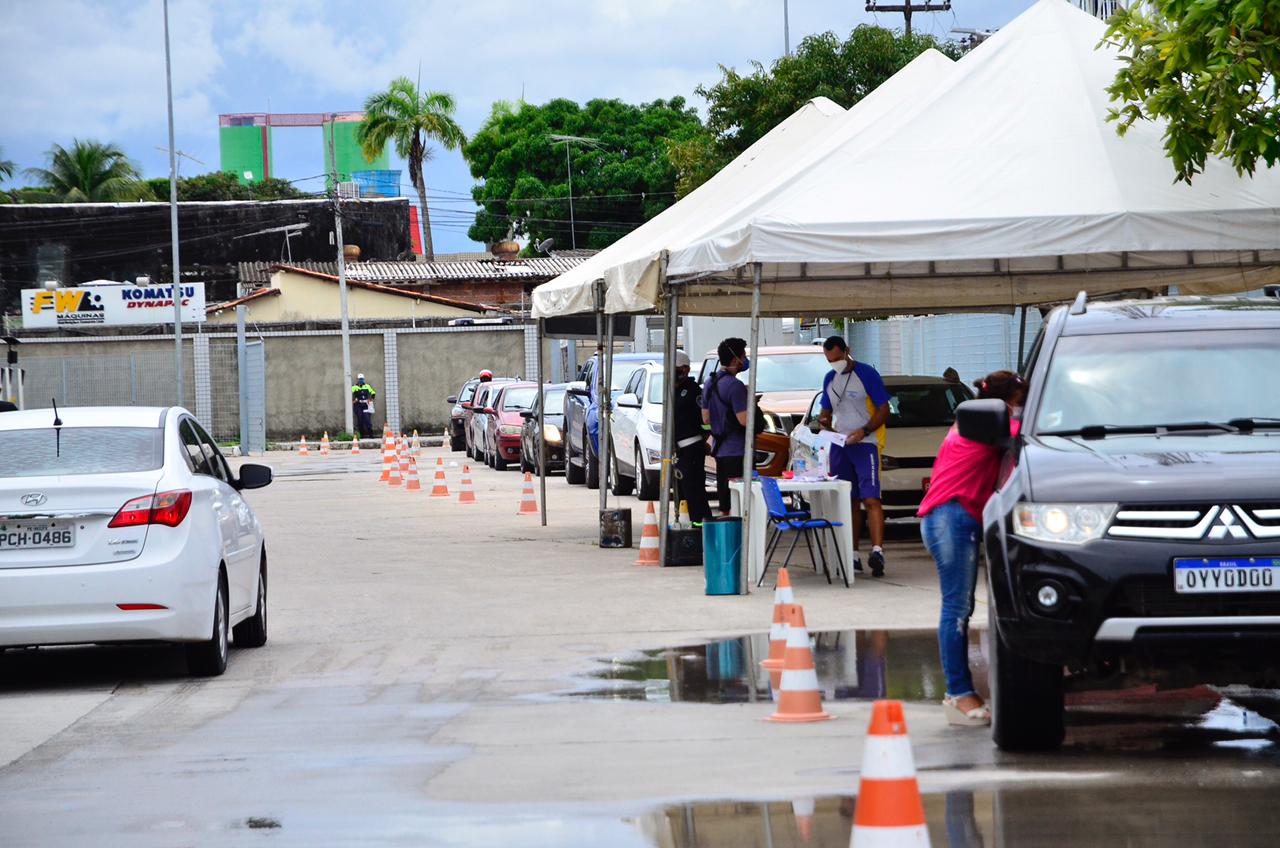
(724, 407)
(855, 404)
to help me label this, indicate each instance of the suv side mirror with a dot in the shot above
(629, 400)
(578, 392)
(253, 476)
(451, 399)
(984, 421)
(489, 410)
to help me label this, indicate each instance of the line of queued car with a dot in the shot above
(496, 422)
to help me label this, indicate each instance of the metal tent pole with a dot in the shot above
(586, 448)
(749, 460)
(606, 410)
(542, 421)
(665, 478)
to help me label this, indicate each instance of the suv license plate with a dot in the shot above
(1246, 574)
(26, 535)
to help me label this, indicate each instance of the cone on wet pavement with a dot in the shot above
(412, 483)
(528, 501)
(439, 489)
(889, 810)
(388, 454)
(302, 447)
(324, 444)
(782, 595)
(799, 698)
(466, 494)
(649, 539)
(803, 809)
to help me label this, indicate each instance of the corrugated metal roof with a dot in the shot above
(541, 267)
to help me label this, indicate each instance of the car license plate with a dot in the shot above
(1242, 574)
(26, 535)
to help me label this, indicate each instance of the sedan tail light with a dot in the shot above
(167, 508)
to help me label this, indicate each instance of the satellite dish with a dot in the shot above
(544, 245)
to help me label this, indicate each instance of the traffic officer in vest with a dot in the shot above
(362, 395)
(691, 452)
(855, 404)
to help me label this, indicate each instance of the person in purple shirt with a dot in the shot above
(724, 408)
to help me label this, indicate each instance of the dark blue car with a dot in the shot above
(582, 416)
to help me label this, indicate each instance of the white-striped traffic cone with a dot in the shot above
(799, 698)
(889, 811)
(649, 539)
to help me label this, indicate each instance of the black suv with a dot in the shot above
(1136, 525)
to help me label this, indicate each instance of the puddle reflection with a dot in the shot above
(996, 818)
(851, 665)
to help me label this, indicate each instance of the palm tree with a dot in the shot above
(6, 168)
(410, 118)
(88, 172)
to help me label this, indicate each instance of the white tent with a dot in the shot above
(574, 291)
(1005, 186)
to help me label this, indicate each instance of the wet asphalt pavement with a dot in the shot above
(410, 697)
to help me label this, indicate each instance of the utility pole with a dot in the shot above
(348, 417)
(907, 8)
(568, 140)
(786, 27)
(175, 289)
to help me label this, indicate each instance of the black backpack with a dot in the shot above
(731, 420)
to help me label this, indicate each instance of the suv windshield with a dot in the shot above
(622, 372)
(555, 401)
(783, 372)
(514, 400)
(925, 406)
(1150, 379)
(83, 450)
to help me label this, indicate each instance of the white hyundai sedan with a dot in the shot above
(125, 524)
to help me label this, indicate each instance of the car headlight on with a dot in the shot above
(1068, 524)
(551, 433)
(509, 429)
(655, 427)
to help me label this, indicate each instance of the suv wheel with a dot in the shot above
(573, 473)
(1026, 699)
(646, 481)
(592, 463)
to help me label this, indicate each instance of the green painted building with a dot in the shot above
(244, 142)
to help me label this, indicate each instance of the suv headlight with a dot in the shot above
(1068, 524)
(510, 429)
(655, 427)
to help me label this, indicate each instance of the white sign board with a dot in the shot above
(109, 306)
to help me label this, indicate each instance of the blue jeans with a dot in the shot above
(951, 535)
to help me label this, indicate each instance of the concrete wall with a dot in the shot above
(434, 366)
(305, 389)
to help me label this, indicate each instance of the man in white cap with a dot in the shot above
(690, 439)
(362, 395)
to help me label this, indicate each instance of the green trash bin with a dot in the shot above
(721, 555)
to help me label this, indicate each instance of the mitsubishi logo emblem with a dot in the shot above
(1226, 526)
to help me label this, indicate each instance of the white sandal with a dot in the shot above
(976, 717)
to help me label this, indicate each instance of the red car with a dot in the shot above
(504, 422)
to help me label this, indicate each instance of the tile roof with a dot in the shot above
(232, 304)
(536, 268)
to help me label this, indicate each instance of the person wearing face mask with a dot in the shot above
(962, 480)
(724, 408)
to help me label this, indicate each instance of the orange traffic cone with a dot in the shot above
(528, 502)
(393, 474)
(412, 483)
(302, 448)
(889, 810)
(466, 494)
(649, 539)
(355, 445)
(782, 595)
(403, 458)
(415, 446)
(324, 444)
(799, 698)
(440, 489)
(803, 809)
(388, 455)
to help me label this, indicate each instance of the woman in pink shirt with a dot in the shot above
(963, 478)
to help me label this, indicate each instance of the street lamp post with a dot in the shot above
(568, 140)
(176, 287)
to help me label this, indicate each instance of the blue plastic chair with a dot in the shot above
(801, 523)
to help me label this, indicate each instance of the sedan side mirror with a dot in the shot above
(451, 399)
(629, 400)
(984, 421)
(527, 414)
(489, 410)
(466, 404)
(253, 476)
(577, 392)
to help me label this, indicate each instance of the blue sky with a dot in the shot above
(95, 68)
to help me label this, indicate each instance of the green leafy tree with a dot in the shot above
(222, 185)
(742, 108)
(7, 168)
(410, 119)
(1211, 70)
(622, 175)
(89, 171)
